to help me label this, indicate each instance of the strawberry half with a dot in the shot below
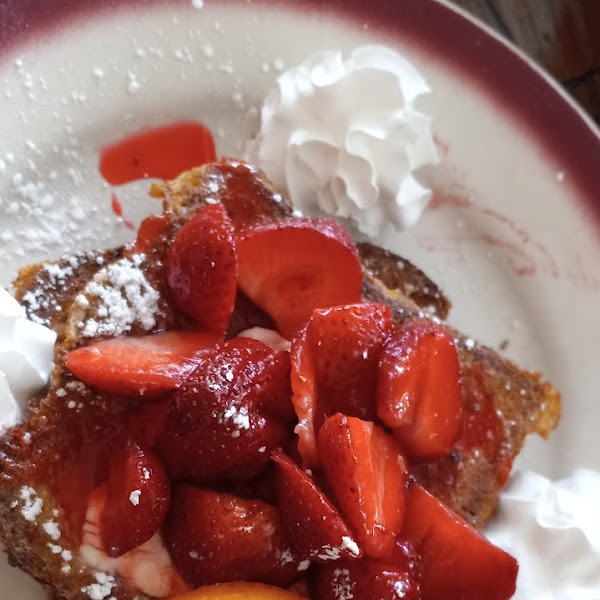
(367, 472)
(289, 268)
(419, 393)
(135, 366)
(334, 367)
(398, 577)
(228, 416)
(216, 537)
(137, 502)
(201, 269)
(458, 562)
(314, 525)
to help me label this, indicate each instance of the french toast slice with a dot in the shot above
(41, 479)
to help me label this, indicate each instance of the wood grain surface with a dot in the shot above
(561, 35)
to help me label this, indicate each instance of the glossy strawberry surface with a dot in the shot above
(138, 497)
(458, 562)
(228, 416)
(334, 367)
(315, 527)
(367, 472)
(217, 537)
(292, 267)
(419, 394)
(201, 269)
(141, 366)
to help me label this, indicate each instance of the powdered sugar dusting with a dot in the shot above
(400, 589)
(52, 529)
(349, 544)
(37, 219)
(32, 504)
(124, 296)
(238, 417)
(102, 588)
(330, 552)
(343, 586)
(134, 497)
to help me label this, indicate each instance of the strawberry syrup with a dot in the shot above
(164, 153)
(118, 210)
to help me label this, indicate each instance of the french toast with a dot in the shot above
(45, 482)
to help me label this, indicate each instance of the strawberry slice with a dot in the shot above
(216, 537)
(458, 562)
(201, 269)
(334, 367)
(137, 366)
(398, 577)
(138, 499)
(291, 267)
(314, 525)
(151, 229)
(419, 394)
(228, 416)
(367, 472)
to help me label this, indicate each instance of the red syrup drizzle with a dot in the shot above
(164, 153)
(118, 210)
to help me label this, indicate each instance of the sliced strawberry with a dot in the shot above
(228, 416)
(398, 577)
(138, 499)
(201, 269)
(216, 537)
(150, 230)
(137, 366)
(458, 562)
(314, 525)
(419, 394)
(291, 267)
(334, 367)
(366, 470)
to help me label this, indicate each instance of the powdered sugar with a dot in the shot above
(349, 544)
(32, 504)
(303, 565)
(330, 553)
(52, 529)
(124, 297)
(38, 220)
(400, 589)
(239, 417)
(134, 497)
(102, 588)
(343, 586)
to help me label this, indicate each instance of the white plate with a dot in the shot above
(513, 235)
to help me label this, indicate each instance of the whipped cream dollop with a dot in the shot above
(344, 138)
(553, 529)
(26, 359)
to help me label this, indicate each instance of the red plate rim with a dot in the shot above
(567, 134)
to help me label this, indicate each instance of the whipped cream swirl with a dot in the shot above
(553, 529)
(344, 138)
(26, 359)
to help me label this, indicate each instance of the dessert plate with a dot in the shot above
(511, 233)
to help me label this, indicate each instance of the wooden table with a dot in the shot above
(562, 35)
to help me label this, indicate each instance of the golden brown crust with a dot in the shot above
(468, 481)
(399, 274)
(47, 290)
